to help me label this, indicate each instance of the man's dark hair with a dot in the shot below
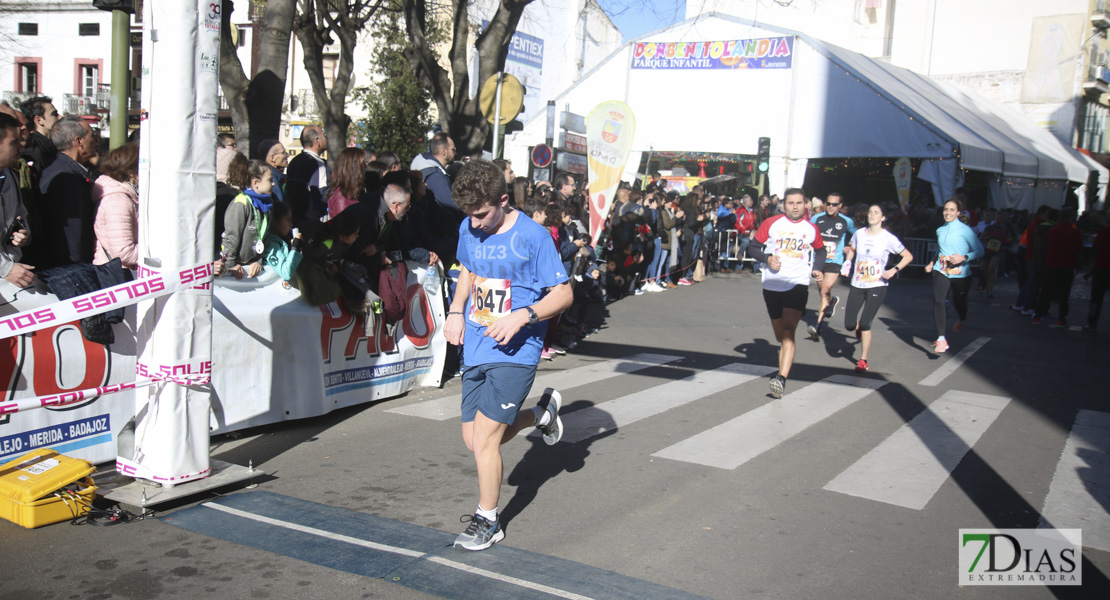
(501, 164)
(478, 183)
(837, 194)
(224, 140)
(35, 107)
(439, 143)
(793, 191)
(389, 158)
(563, 179)
(309, 135)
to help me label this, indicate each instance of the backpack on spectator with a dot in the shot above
(393, 289)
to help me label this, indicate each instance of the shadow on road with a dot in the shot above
(542, 463)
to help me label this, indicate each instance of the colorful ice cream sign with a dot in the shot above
(763, 53)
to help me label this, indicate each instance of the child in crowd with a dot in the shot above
(587, 293)
(246, 222)
(281, 256)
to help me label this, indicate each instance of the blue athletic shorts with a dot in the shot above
(496, 389)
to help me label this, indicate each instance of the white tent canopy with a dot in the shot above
(829, 103)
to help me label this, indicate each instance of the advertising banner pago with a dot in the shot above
(278, 358)
(610, 130)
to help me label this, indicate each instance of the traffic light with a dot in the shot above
(763, 157)
(127, 6)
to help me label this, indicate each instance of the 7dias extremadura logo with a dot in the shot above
(1021, 557)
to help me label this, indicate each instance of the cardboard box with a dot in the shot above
(28, 485)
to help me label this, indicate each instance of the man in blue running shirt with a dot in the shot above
(836, 230)
(510, 283)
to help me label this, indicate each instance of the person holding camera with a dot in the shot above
(12, 209)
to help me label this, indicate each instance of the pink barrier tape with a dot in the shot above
(150, 284)
(194, 372)
(134, 469)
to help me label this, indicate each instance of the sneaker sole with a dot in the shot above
(813, 335)
(777, 388)
(497, 537)
(830, 312)
(552, 395)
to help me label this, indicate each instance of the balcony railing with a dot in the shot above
(17, 98)
(306, 104)
(1100, 19)
(77, 104)
(1098, 79)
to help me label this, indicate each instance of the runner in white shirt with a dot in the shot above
(871, 249)
(792, 250)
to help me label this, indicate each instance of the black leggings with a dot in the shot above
(960, 286)
(869, 299)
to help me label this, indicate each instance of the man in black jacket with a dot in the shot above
(306, 181)
(66, 190)
(41, 117)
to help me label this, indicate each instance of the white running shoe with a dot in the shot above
(551, 401)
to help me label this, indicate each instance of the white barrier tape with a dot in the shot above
(158, 375)
(67, 398)
(150, 284)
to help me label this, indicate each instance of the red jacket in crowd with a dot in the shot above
(1064, 245)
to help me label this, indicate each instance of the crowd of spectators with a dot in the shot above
(345, 233)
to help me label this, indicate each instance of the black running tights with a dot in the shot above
(869, 299)
(960, 286)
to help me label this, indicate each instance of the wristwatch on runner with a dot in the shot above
(533, 318)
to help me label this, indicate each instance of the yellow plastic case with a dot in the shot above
(28, 483)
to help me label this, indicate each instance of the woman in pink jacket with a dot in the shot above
(117, 213)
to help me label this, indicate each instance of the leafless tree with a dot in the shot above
(316, 23)
(459, 114)
(256, 103)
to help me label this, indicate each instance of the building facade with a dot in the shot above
(1047, 59)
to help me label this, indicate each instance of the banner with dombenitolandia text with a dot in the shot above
(610, 130)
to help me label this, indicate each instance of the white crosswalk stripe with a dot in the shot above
(442, 409)
(1079, 494)
(739, 440)
(909, 467)
(606, 416)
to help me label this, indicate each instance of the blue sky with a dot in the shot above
(637, 17)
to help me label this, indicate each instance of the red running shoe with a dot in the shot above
(959, 327)
(861, 366)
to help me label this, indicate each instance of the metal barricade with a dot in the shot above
(924, 250)
(728, 249)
